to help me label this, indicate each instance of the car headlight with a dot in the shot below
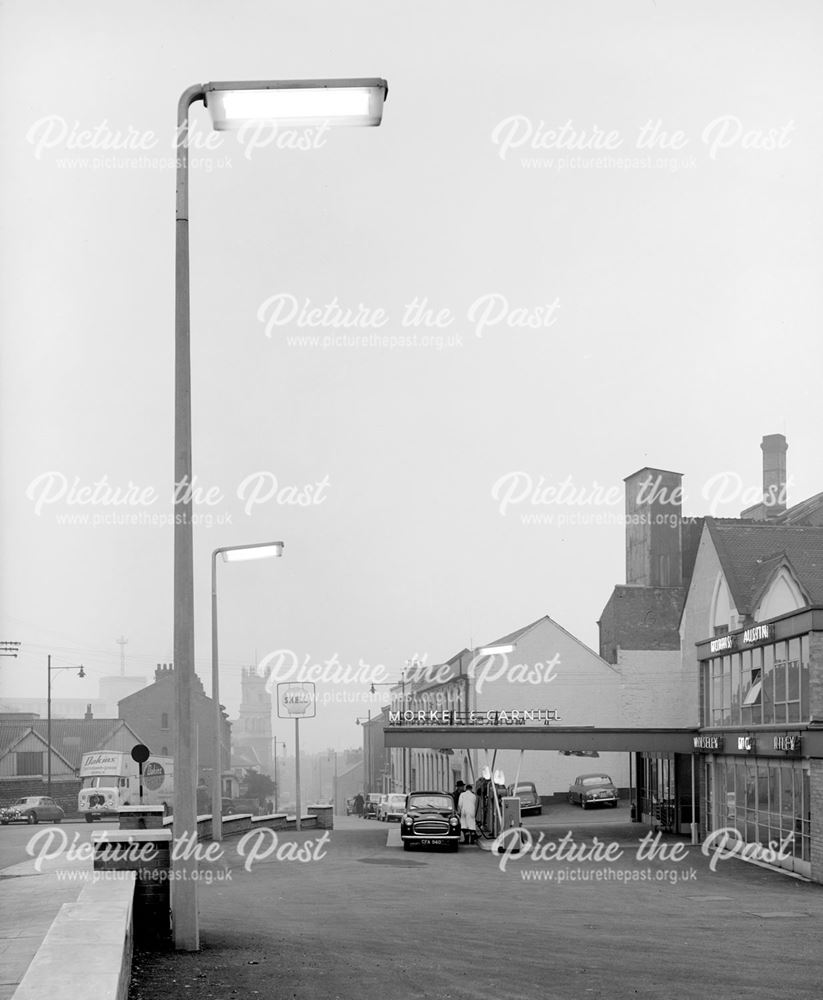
(407, 820)
(453, 821)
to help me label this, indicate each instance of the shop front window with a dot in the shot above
(766, 685)
(768, 803)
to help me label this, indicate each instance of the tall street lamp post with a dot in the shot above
(232, 105)
(50, 668)
(229, 553)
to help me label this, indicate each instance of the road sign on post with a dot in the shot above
(140, 753)
(296, 700)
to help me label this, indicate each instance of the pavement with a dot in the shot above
(32, 898)
(363, 918)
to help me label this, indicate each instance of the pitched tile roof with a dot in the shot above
(801, 511)
(751, 551)
(71, 738)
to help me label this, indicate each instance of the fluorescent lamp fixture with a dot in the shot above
(296, 102)
(492, 650)
(263, 551)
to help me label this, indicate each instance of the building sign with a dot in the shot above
(740, 640)
(758, 633)
(708, 742)
(296, 700)
(723, 643)
(746, 743)
(493, 717)
(791, 744)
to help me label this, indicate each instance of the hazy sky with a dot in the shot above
(674, 290)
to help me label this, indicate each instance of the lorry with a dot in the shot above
(110, 779)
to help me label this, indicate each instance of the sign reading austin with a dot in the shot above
(492, 717)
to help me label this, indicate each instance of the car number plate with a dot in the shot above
(431, 842)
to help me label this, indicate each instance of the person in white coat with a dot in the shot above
(467, 807)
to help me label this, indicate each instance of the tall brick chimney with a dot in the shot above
(774, 448)
(654, 507)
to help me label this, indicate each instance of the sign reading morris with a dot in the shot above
(493, 717)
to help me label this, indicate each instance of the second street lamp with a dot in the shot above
(50, 668)
(230, 553)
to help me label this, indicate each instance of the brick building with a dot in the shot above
(733, 646)
(151, 712)
(24, 753)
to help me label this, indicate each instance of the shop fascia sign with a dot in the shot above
(492, 717)
(740, 640)
(708, 742)
(791, 744)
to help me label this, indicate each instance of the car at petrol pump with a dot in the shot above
(32, 809)
(530, 801)
(430, 820)
(593, 790)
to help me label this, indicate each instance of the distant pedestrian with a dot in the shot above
(459, 788)
(467, 807)
(358, 804)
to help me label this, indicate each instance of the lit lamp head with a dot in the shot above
(296, 102)
(242, 553)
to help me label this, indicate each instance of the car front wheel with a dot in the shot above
(31, 819)
(582, 803)
(58, 819)
(406, 845)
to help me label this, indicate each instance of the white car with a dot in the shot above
(394, 807)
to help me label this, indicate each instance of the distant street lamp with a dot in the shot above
(230, 553)
(393, 684)
(275, 744)
(366, 724)
(80, 673)
(232, 105)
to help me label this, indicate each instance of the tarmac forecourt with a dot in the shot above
(433, 923)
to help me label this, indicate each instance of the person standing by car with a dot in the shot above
(467, 807)
(459, 788)
(358, 805)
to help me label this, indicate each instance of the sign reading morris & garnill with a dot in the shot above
(491, 717)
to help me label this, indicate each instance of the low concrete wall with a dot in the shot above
(88, 948)
(317, 818)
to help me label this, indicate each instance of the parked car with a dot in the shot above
(529, 799)
(430, 820)
(394, 807)
(32, 809)
(593, 790)
(381, 814)
(371, 804)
